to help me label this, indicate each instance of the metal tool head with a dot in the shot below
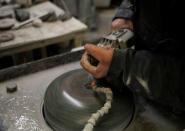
(116, 39)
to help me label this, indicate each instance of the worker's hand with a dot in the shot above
(121, 23)
(103, 55)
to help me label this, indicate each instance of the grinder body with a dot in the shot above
(115, 39)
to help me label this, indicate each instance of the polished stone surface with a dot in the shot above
(68, 104)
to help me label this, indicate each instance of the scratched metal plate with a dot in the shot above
(68, 104)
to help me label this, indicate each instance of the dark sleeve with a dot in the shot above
(159, 78)
(126, 10)
(120, 67)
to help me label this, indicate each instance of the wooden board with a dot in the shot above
(31, 37)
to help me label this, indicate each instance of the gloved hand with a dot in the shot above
(121, 23)
(103, 55)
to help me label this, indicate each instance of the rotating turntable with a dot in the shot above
(68, 104)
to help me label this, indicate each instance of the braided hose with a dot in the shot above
(104, 110)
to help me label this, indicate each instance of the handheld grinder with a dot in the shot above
(115, 39)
